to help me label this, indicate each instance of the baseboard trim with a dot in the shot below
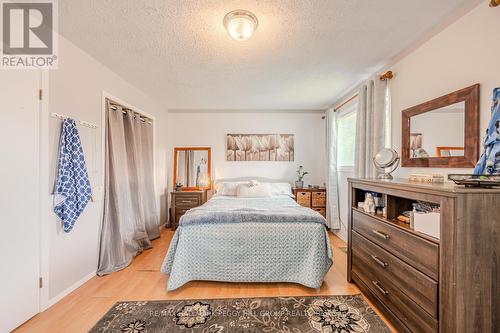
(67, 291)
(340, 234)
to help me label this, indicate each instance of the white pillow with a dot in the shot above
(253, 189)
(226, 188)
(281, 189)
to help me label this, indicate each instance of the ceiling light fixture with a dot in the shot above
(240, 24)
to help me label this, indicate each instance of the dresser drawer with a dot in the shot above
(181, 210)
(414, 284)
(177, 218)
(322, 211)
(400, 243)
(187, 201)
(408, 312)
(318, 199)
(304, 198)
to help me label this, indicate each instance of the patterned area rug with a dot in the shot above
(330, 314)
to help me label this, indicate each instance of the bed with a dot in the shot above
(264, 239)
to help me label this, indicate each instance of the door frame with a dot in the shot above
(44, 195)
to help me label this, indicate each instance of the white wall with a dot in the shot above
(210, 129)
(464, 53)
(75, 90)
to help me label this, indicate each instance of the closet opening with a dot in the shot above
(130, 215)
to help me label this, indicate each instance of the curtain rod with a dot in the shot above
(384, 77)
(345, 102)
(387, 75)
(114, 106)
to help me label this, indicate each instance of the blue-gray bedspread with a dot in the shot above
(249, 240)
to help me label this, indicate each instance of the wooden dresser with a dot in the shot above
(182, 201)
(421, 283)
(314, 198)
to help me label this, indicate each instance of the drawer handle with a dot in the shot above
(303, 193)
(186, 201)
(380, 262)
(381, 234)
(379, 287)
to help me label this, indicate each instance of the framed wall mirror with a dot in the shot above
(192, 168)
(443, 132)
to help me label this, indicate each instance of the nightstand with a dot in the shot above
(182, 201)
(314, 198)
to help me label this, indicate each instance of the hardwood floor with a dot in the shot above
(142, 280)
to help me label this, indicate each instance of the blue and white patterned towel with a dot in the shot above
(489, 163)
(73, 191)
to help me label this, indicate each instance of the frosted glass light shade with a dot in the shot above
(240, 24)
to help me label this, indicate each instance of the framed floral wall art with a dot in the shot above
(259, 147)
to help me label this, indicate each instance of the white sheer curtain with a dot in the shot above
(332, 213)
(130, 218)
(370, 126)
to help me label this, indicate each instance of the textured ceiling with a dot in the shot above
(303, 54)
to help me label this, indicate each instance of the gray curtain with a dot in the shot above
(370, 126)
(144, 138)
(190, 168)
(332, 212)
(186, 169)
(130, 218)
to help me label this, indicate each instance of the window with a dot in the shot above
(346, 137)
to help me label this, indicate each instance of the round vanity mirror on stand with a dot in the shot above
(386, 161)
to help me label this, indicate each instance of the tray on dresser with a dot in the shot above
(485, 181)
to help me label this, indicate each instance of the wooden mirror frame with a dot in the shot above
(470, 96)
(209, 167)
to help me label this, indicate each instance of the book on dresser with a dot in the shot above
(422, 283)
(314, 198)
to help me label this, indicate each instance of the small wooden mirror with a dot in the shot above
(192, 168)
(444, 132)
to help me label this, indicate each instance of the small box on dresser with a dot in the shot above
(422, 283)
(182, 201)
(314, 198)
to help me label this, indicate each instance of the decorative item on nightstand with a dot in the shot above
(314, 198)
(299, 183)
(182, 201)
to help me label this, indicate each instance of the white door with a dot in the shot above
(19, 197)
